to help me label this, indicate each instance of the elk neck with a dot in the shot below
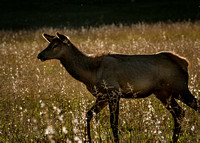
(79, 65)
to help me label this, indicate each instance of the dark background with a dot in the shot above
(17, 15)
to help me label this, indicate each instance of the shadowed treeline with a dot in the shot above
(17, 15)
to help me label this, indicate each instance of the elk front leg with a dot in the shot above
(96, 108)
(114, 114)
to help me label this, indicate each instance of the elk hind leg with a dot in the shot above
(187, 98)
(176, 111)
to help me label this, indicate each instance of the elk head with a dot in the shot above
(56, 47)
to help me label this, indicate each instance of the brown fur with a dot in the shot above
(110, 77)
(100, 54)
(182, 61)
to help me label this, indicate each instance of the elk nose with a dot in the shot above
(39, 56)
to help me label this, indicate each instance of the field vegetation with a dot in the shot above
(41, 102)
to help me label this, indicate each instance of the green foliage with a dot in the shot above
(41, 102)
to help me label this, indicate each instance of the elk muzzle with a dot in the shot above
(41, 57)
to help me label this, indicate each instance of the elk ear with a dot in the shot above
(63, 38)
(47, 37)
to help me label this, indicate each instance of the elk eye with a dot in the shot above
(55, 46)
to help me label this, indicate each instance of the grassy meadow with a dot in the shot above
(41, 102)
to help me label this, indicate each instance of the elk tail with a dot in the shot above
(181, 61)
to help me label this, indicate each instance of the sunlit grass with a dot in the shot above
(41, 102)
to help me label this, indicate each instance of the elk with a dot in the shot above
(109, 77)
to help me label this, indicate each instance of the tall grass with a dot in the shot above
(41, 102)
